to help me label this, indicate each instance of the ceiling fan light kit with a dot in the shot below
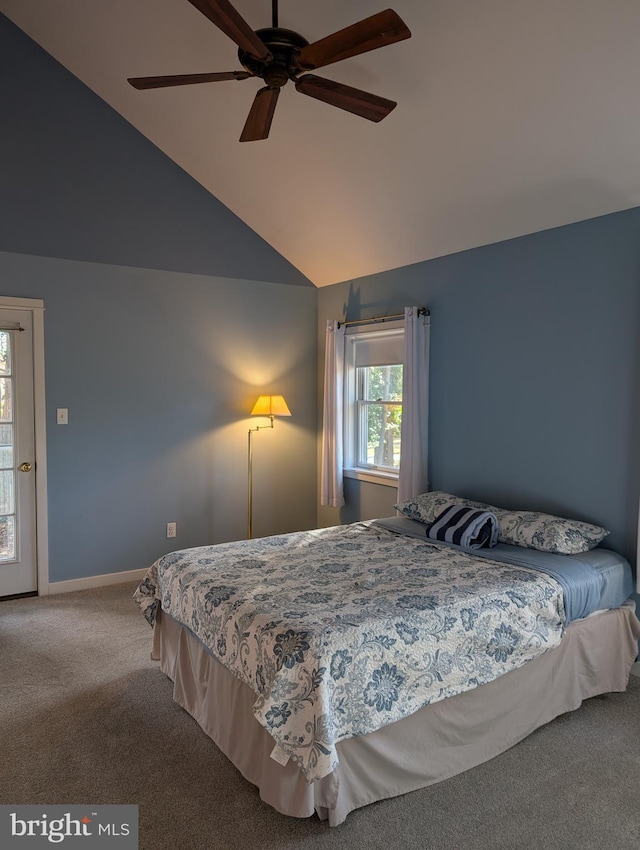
(277, 55)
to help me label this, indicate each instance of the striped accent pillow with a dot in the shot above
(468, 527)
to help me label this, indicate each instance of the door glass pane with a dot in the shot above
(7, 459)
(6, 400)
(6, 491)
(6, 446)
(7, 538)
(5, 353)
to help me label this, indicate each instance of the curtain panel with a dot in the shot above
(331, 473)
(638, 556)
(413, 478)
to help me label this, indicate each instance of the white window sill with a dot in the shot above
(387, 479)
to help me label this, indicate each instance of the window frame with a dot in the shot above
(351, 467)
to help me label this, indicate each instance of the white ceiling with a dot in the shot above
(513, 116)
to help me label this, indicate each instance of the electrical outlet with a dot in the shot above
(171, 529)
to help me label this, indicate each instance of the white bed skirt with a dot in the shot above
(436, 742)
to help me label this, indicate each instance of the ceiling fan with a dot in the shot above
(278, 55)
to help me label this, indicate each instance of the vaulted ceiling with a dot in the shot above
(513, 116)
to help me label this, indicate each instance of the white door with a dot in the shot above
(18, 565)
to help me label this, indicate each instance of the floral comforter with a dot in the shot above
(340, 631)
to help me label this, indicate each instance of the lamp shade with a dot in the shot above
(270, 405)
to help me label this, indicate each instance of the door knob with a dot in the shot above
(25, 467)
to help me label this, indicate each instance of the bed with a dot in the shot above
(342, 666)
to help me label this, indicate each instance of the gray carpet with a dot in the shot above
(87, 717)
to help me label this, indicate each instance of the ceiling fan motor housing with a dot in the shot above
(283, 45)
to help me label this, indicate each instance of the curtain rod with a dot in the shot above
(422, 311)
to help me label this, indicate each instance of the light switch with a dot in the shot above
(62, 416)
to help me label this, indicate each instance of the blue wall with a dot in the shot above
(159, 372)
(535, 378)
(165, 317)
(78, 182)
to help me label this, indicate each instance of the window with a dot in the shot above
(7, 466)
(365, 414)
(373, 402)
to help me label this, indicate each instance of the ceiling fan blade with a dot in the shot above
(258, 121)
(225, 17)
(186, 79)
(359, 102)
(377, 31)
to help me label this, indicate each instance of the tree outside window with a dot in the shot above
(379, 416)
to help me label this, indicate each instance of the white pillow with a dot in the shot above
(530, 529)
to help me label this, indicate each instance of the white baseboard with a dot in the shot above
(635, 670)
(95, 581)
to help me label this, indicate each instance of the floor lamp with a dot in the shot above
(271, 406)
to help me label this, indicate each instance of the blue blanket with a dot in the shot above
(581, 583)
(579, 576)
(467, 527)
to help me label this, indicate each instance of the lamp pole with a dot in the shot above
(250, 467)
